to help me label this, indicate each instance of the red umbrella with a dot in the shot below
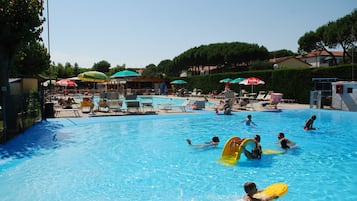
(65, 83)
(252, 81)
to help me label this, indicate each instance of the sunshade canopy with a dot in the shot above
(125, 73)
(237, 80)
(178, 82)
(65, 83)
(93, 76)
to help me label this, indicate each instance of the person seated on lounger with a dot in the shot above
(213, 143)
(256, 152)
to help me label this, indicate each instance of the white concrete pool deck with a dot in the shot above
(255, 106)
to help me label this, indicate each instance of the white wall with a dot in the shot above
(348, 99)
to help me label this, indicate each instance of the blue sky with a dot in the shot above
(141, 32)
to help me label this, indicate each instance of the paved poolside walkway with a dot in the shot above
(256, 106)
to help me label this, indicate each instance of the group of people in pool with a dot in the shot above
(256, 152)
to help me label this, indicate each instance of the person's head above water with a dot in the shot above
(215, 139)
(281, 135)
(250, 188)
(257, 138)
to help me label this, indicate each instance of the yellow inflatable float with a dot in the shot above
(277, 189)
(234, 147)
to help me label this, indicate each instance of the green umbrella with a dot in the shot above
(93, 76)
(237, 80)
(225, 80)
(125, 73)
(178, 82)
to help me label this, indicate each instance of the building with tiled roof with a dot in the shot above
(321, 58)
(288, 62)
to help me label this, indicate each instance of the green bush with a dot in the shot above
(294, 83)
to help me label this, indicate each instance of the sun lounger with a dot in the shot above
(274, 101)
(147, 102)
(261, 95)
(198, 105)
(165, 106)
(86, 105)
(103, 106)
(132, 103)
(115, 105)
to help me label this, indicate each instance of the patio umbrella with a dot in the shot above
(93, 76)
(226, 80)
(124, 74)
(252, 81)
(65, 83)
(178, 82)
(237, 80)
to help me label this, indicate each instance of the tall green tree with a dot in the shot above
(31, 60)
(102, 66)
(20, 24)
(335, 34)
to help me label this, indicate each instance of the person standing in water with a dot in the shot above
(309, 123)
(248, 121)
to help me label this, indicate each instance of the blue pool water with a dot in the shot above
(147, 158)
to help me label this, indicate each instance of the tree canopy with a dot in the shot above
(220, 54)
(20, 24)
(335, 34)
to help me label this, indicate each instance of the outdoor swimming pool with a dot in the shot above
(146, 157)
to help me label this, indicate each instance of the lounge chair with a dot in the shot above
(147, 102)
(268, 96)
(86, 105)
(132, 103)
(184, 105)
(261, 95)
(103, 106)
(165, 106)
(198, 105)
(274, 101)
(115, 105)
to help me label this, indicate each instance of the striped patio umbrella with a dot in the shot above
(93, 76)
(65, 83)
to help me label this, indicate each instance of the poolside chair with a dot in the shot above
(198, 105)
(132, 103)
(86, 105)
(184, 105)
(229, 94)
(115, 105)
(261, 95)
(103, 106)
(274, 101)
(147, 102)
(165, 106)
(268, 96)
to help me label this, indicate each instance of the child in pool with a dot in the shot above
(248, 121)
(213, 143)
(309, 123)
(250, 188)
(285, 143)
